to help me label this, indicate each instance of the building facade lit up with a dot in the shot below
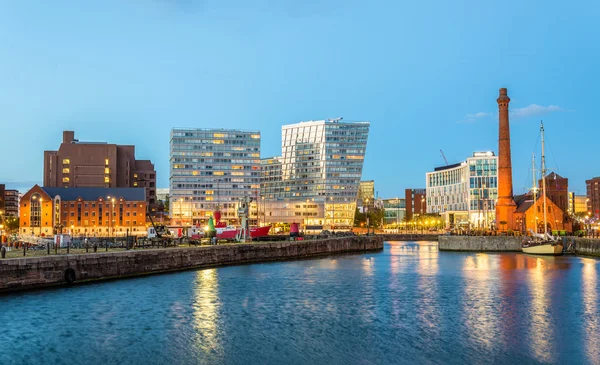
(316, 179)
(464, 194)
(212, 168)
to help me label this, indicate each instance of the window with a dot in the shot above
(134, 223)
(106, 170)
(135, 176)
(65, 179)
(66, 170)
(106, 179)
(106, 162)
(135, 183)
(66, 161)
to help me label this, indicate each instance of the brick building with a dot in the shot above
(83, 211)
(528, 215)
(415, 200)
(593, 196)
(100, 165)
(557, 190)
(9, 202)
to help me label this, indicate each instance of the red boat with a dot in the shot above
(225, 232)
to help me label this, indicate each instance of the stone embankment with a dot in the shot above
(408, 237)
(480, 243)
(576, 245)
(35, 272)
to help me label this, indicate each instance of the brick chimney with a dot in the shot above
(505, 206)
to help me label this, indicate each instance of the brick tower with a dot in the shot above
(505, 206)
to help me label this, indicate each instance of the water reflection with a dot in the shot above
(206, 311)
(590, 309)
(480, 306)
(428, 310)
(540, 327)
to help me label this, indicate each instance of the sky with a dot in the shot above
(425, 73)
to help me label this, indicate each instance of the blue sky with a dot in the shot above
(426, 75)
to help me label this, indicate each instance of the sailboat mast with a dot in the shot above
(534, 188)
(544, 180)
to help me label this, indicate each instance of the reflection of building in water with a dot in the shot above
(540, 328)
(590, 309)
(206, 310)
(480, 293)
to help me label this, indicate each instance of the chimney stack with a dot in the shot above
(505, 206)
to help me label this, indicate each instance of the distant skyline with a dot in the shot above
(425, 74)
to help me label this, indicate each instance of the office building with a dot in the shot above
(464, 193)
(87, 212)
(366, 195)
(394, 212)
(593, 196)
(315, 181)
(415, 203)
(577, 203)
(11, 203)
(79, 164)
(212, 169)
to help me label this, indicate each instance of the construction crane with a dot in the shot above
(444, 157)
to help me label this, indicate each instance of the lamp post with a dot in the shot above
(41, 214)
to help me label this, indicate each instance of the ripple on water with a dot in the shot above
(407, 304)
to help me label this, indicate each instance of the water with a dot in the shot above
(407, 304)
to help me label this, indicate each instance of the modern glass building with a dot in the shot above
(315, 181)
(465, 193)
(210, 168)
(394, 212)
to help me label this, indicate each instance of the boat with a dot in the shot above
(537, 243)
(227, 232)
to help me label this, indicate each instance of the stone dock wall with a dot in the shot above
(480, 243)
(576, 245)
(35, 272)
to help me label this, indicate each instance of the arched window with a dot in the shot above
(35, 210)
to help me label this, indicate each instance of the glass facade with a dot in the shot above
(316, 179)
(470, 187)
(394, 211)
(210, 168)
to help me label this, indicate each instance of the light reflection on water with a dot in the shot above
(407, 304)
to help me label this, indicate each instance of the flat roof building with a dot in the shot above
(212, 169)
(79, 164)
(465, 193)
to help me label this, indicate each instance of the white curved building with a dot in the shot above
(464, 193)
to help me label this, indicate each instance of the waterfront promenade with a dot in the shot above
(44, 271)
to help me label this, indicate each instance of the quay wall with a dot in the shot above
(35, 272)
(408, 237)
(480, 243)
(584, 246)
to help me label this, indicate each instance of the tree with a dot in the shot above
(359, 218)
(167, 202)
(11, 224)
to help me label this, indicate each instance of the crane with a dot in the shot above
(444, 157)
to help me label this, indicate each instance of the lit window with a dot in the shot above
(218, 141)
(195, 173)
(65, 179)
(106, 170)
(135, 183)
(106, 179)
(106, 162)
(66, 161)
(218, 135)
(218, 173)
(135, 176)
(66, 170)
(255, 136)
